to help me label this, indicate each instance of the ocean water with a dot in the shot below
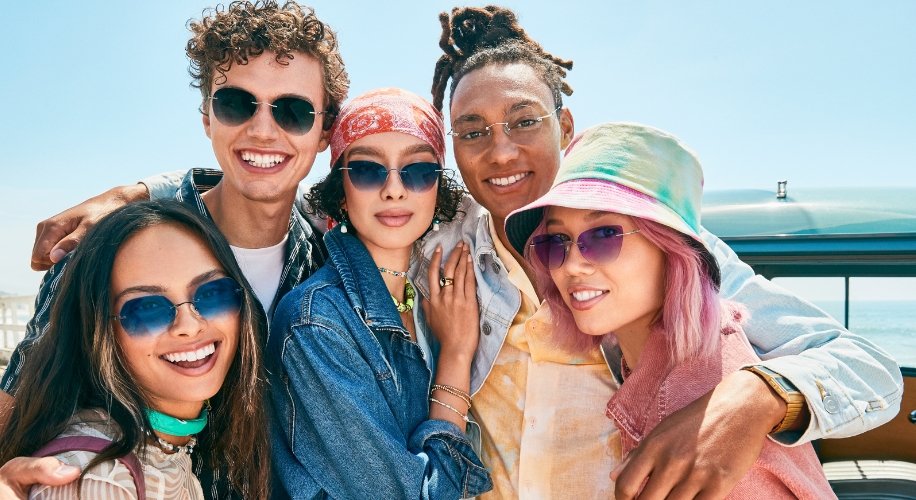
(889, 324)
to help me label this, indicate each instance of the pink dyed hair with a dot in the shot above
(690, 313)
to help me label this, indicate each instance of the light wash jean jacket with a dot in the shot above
(862, 383)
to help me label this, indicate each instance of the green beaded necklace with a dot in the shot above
(409, 292)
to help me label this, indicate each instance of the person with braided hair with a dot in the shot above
(541, 408)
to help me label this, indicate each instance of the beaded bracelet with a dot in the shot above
(463, 416)
(454, 391)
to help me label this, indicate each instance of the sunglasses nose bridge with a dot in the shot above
(574, 264)
(192, 307)
(388, 189)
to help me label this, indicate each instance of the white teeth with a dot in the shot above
(262, 161)
(505, 181)
(201, 353)
(583, 296)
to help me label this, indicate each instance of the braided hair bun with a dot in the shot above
(473, 37)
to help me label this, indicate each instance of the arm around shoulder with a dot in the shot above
(164, 185)
(849, 383)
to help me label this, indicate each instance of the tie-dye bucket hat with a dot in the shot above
(624, 168)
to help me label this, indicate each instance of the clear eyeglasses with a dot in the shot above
(521, 126)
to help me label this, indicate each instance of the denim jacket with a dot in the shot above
(862, 384)
(351, 393)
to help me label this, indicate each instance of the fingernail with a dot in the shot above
(438, 248)
(58, 254)
(66, 470)
(469, 257)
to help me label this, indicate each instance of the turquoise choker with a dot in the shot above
(174, 426)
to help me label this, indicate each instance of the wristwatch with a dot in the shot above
(794, 399)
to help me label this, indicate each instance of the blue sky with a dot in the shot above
(820, 93)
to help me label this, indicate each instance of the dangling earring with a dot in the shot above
(343, 220)
(436, 222)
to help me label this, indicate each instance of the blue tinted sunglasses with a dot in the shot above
(371, 176)
(154, 314)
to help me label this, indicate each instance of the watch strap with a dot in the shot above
(794, 399)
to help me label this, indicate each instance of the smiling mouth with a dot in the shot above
(508, 181)
(587, 295)
(262, 161)
(191, 359)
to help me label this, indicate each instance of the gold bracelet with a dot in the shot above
(454, 391)
(463, 416)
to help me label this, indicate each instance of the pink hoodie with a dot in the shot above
(655, 390)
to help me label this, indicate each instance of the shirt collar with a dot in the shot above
(517, 275)
(362, 283)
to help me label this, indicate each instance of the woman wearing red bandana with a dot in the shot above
(364, 409)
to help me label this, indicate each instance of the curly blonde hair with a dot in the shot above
(231, 35)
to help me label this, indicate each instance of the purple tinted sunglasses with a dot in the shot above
(598, 245)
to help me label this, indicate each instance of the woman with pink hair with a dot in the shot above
(615, 244)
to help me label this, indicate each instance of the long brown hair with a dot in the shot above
(78, 364)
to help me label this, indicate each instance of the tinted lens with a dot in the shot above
(294, 115)
(233, 106)
(150, 315)
(420, 177)
(601, 245)
(367, 175)
(218, 297)
(550, 250)
(153, 314)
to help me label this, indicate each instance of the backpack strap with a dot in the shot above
(96, 445)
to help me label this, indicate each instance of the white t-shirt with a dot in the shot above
(262, 268)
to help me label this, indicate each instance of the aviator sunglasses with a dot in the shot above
(234, 107)
(371, 176)
(599, 246)
(154, 314)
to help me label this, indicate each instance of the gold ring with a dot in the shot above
(446, 281)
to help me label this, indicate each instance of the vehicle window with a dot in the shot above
(882, 310)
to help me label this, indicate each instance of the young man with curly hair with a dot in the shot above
(271, 81)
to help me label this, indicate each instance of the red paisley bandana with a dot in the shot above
(387, 110)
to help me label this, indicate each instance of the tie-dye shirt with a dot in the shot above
(542, 411)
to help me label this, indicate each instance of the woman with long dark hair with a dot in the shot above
(153, 340)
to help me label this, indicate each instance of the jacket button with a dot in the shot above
(496, 267)
(831, 405)
(486, 329)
